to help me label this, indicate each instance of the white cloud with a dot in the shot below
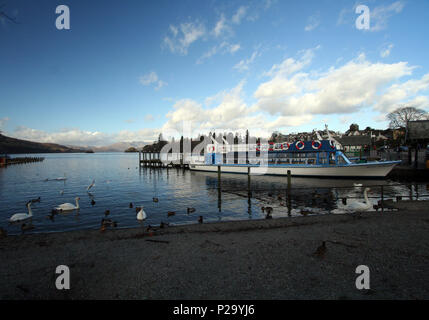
(149, 118)
(183, 36)
(65, 136)
(381, 14)
(244, 64)
(386, 51)
(152, 78)
(239, 15)
(290, 65)
(221, 26)
(77, 137)
(404, 93)
(340, 90)
(226, 111)
(313, 22)
(3, 122)
(222, 48)
(342, 17)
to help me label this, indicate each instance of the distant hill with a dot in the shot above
(120, 146)
(12, 145)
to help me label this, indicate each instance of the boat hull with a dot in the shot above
(365, 170)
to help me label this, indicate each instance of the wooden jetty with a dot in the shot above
(5, 160)
(153, 159)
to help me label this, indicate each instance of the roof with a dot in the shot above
(354, 140)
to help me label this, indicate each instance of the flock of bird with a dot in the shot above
(67, 207)
(352, 206)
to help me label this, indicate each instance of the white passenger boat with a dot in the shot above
(318, 158)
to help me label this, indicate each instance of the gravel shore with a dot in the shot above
(255, 259)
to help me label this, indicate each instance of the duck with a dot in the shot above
(108, 222)
(321, 250)
(269, 210)
(155, 199)
(3, 233)
(52, 215)
(68, 206)
(305, 212)
(141, 215)
(171, 213)
(22, 216)
(35, 200)
(190, 210)
(26, 227)
(163, 224)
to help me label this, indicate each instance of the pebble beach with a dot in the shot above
(258, 259)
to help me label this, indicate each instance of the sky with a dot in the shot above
(130, 70)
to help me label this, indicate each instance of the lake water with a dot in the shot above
(119, 181)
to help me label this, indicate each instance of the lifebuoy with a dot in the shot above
(319, 144)
(299, 147)
(285, 145)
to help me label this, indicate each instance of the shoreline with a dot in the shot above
(252, 259)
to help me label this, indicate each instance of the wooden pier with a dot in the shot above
(153, 159)
(5, 161)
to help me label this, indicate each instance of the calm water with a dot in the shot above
(119, 181)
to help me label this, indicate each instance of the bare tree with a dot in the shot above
(5, 15)
(403, 115)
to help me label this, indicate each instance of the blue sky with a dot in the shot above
(128, 70)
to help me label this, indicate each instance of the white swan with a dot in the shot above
(68, 206)
(360, 206)
(91, 185)
(61, 178)
(22, 216)
(141, 215)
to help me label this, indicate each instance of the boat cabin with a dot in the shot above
(317, 152)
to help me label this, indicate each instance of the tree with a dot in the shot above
(354, 127)
(4, 15)
(403, 115)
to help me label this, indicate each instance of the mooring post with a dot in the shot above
(411, 191)
(140, 158)
(219, 191)
(289, 204)
(382, 199)
(249, 193)
(416, 188)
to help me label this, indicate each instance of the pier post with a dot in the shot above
(249, 193)
(382, 199)
(219, 191)
(289, 204)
